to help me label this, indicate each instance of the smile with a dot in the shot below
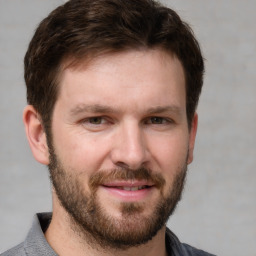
(132, 188)
(129, 191)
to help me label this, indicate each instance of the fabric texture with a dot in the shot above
(36, 244)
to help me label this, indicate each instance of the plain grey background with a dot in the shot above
(218, 210)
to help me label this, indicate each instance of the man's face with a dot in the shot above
(120, 145)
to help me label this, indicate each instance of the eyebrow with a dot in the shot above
(98, 108)
(164, 109)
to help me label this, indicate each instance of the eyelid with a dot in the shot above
(87, 121)
(105, 120)
(166, 120)
(91, 119)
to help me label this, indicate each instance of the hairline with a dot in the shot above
(71, 62)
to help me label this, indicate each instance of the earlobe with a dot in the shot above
(192, 138)
(36, 135)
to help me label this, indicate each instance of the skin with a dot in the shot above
(132, 89)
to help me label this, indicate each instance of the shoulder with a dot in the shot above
(176, 248)
(35, 242)
(18, 250)
(192, 251)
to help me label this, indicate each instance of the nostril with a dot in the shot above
(123, 165)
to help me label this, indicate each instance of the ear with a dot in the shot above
(36, 135)
(192, 138)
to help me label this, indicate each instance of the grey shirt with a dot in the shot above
(36, 244)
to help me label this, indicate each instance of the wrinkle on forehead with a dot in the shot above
(98, 108)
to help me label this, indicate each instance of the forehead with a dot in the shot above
(131, 76)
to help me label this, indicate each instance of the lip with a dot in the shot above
(114, 189)
(128, 183)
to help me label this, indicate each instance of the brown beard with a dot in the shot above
(91, 222)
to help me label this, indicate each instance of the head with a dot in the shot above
(78, 32)
(115, 92)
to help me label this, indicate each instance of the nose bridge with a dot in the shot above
(130, 147)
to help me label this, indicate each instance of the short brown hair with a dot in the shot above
(82, 29)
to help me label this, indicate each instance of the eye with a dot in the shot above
(157, 120)
(95, 123)
(95, 120)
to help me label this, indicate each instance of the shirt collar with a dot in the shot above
(36, 243)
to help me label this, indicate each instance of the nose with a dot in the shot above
(129, 148)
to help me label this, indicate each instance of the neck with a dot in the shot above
(65, 241)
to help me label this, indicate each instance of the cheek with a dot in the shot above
(170, 153)
(81, 151)
(171, 159)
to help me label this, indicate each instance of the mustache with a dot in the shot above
(125, 174)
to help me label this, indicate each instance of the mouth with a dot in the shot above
(129, 190)
(132, 188)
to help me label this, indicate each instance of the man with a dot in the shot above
(112, 88)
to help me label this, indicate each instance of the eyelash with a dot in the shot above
(91, 120)
(150, 120)
(159, 118)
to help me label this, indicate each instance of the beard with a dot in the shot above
(90, 220)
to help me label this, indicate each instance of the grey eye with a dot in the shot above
(156, 120)
(95, 120)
